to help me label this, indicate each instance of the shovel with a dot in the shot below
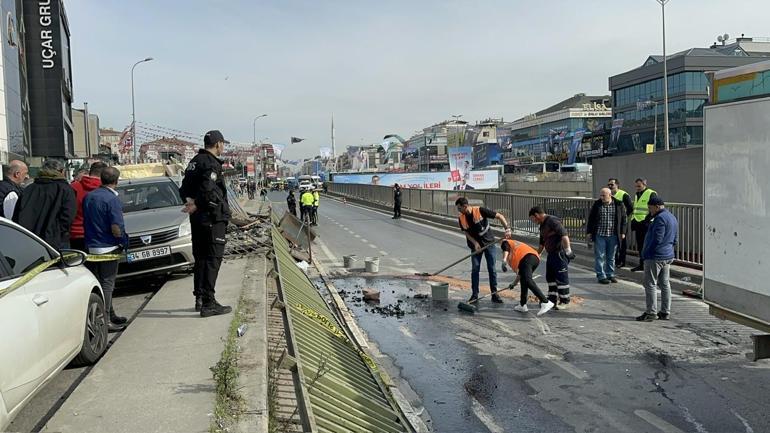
(425, 274)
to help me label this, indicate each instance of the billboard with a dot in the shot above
(460, 162)
(477, 179)
(577, 140)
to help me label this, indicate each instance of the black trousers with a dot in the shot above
(208, 249)
(314, 215)
(527, 267)
(293, 210)
(397, 209)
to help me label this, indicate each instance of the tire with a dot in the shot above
(95, 333)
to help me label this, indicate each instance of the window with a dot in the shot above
(21, 252)
(136, 197)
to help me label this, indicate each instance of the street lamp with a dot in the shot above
(133, 107)
(665, 74)
(254, 124)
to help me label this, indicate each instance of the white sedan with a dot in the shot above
(55, 318)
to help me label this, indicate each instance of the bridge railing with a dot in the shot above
(573, 211)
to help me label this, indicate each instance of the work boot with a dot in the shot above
(663, 316)
(214, 309)
(497, 299)
(198, 303)
(114, 318)
(646, 317)
(604, 281)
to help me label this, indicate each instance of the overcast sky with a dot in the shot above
(380, 66)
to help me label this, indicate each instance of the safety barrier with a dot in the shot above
(572, 211)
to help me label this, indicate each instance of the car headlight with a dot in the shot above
(185, 229)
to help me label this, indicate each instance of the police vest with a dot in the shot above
(640, 205)
(518, 250)
(619, 195)
(316, 198)
(478, 221)
(307, 199)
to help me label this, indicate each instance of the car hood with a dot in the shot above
(154, 219)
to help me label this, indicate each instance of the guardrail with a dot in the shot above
(572, 211)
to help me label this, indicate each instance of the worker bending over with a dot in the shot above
(523, 260)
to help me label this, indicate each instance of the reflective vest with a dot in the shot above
(640, 205)
(619, 195)
(478, 220)
(307, 199)
(316, 198)
(518, 250)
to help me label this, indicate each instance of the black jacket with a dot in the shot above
(291, 201)
(47, 208)
(205, 183)
(620, 218)
(397, 195)
(7, 187)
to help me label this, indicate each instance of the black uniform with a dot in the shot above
(204, 182)
(396, 202)
(291, 203)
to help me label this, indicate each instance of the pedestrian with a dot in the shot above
(263, 193)
(205, 195)
(658, 254)
(86, 184)
(606, 228)
(555, 241)
(316, 203)
(640, 219)
(14, 175)
(474, 222)
(306, 201)
(105, 233)
(47, 207)
(614, 186)
(523, 260)
(291, 203)
(396, 201)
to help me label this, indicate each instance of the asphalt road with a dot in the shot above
(129, 298)
(591, 368)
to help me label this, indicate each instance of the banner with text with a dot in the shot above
(460, 162)
(477, 179)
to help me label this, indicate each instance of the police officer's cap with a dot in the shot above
(213, 137)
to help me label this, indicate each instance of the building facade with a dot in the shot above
(108, 141)
(14, 99)
(638, 95)
(85, 135)
(168, 150)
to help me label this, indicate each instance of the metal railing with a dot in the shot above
(515, 207)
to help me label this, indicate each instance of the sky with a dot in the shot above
(380, 67)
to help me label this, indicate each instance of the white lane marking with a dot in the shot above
(503, 327)
(543, 326)
(485, 417)
(384, 253)
(373, 246)
(404, 330)
(743, 420)
(358, 236)
(656, 421)
(571, 369)
(604, 414)
(364, 240)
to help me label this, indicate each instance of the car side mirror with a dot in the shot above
(71, 258)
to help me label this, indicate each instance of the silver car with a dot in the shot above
(160, 239)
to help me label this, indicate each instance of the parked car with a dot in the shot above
(159, 233)
(55, 318)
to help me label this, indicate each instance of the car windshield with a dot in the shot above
(144, 196)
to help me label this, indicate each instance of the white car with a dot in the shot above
(55, 318)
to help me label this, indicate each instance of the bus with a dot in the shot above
(578, 167)
(533, 168)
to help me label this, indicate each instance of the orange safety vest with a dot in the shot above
(518, 251)
(477, 219)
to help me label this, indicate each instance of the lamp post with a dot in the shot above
(133, 107)
(254, 125)
(665, 75)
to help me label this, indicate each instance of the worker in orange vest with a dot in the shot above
(523, 260)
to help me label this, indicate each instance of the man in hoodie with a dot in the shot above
(86, 184)
(48, 206)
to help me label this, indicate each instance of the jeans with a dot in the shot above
(604, 256)
(656, 274)
(489, 254)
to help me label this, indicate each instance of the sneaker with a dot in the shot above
(118, 320)
(544, 308)
(473, 298)
(198, 303)
(497, 299)
(214, 309)
(663, 316)
(604, 281)
(521, 308)
(638, 268)
(114, 327)
(613, 280)
(646, 317)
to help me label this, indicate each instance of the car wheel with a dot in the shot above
(95, 336)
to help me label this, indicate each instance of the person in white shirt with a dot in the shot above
(14, 174)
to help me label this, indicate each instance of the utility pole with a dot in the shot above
(133, 108)
(665, 75)
(334, 147)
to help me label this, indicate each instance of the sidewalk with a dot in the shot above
(156, 376)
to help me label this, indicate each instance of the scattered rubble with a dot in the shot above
(371, 295)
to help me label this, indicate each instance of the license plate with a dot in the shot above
(148, 254)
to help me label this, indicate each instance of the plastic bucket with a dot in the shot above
(349, 261)
(372, 264)
(439, 291)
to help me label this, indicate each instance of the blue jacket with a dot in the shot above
(661, 237)
(101, 209)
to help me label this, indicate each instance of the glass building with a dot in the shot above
(637, 95)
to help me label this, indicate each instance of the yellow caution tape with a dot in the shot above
(334, 330)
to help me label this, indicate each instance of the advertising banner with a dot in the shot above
(617, 126)
(574, 147)
(460, 162)
(250, 166)
(477, 179)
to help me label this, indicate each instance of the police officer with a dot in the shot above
(316, 202)
(306, 201)
(205, 195)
